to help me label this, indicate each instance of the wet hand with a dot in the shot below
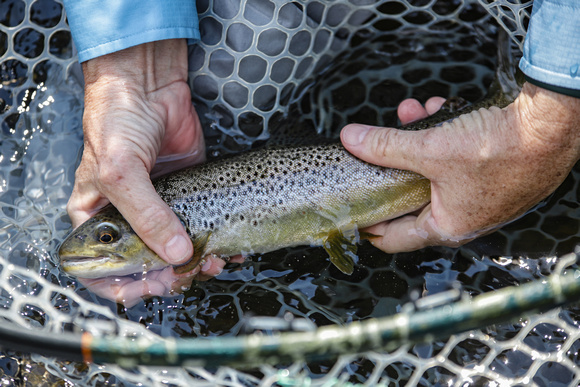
(486, 167)
(130, 290)
(137, 111)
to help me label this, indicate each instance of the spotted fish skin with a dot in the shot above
(279, 197)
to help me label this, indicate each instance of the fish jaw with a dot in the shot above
(86, 254)
(105, 266)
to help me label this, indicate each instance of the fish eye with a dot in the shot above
(107, 233)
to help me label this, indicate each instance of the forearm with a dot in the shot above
(147, 66)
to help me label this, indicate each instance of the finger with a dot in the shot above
(129, 290)
(388, 147)
(151, 218)
(411, 110)
(173, 283)
(433, 104)
(124, 290)
(82, 207)
(134, 292)
(411, 232)
(85, 199)
(212, 266)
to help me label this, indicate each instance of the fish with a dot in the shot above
(256, 202)
(271, 198)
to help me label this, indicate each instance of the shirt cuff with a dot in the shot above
(100, 27)
(552, 45)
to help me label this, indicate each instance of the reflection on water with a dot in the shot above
(41, 107)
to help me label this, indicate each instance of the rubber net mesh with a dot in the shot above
(265, 66)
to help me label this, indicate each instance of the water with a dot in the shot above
(41, 105)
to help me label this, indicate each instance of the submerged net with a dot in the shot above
(264, 66)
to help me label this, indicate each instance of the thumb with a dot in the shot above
(387, 147)
(152, 219)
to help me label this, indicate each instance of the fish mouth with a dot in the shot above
(77, 259)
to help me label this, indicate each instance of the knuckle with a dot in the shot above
(110, 175)
(112, 168)
(383, 140)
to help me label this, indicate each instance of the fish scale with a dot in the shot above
(290, 196)
(256, 202)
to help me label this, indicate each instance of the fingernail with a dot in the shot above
(177, 250)
(206, 266)
(354, 134)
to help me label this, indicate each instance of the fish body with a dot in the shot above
(268, 199)
(256, 202)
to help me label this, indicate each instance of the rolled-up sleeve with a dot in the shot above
(552, 45)
(101, 27)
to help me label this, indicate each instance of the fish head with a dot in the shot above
(106, 245)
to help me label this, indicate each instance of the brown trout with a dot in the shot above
(267, 199)
(256, 202)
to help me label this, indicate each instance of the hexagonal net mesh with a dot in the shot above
(264, 67)
(256, 57)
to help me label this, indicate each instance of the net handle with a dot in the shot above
(412, 325)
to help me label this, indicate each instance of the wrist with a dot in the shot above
(147, 67)
(550, 121)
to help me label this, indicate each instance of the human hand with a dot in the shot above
(129, 290)
(486, 167)
(137, 111)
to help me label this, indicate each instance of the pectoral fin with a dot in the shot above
(367, 235)
(342, 251)
(199, 244)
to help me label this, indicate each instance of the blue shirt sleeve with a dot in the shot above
(101, 27)
(552, 45)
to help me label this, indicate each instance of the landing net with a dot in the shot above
(258, 61)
